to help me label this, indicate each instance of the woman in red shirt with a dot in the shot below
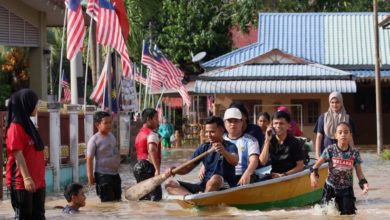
(25, 172)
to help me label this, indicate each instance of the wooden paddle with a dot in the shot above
(142, 188)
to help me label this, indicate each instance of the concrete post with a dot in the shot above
(73, 111)
(55, 142)
(76, 70)
(89, 110)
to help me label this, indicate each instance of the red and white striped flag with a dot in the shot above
(154, 84)
(164, 71)
(75, 28)
(184, 95)
(65, 86)
(93, 9)
(109, 33)
(101, 85)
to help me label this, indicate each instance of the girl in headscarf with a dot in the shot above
(165, 131)
(25, 172)
(325, 127)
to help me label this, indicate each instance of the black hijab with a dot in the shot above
(20, 106)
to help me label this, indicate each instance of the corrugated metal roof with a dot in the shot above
(325, 38)
(275, 86)
(369, 73)
(237, 56)
(282, 70)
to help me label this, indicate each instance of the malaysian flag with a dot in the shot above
(101, 86)
(112, 93)
(75, 28)
(122, 16)
(164, 71)
(65, 86)
(101, 90)
(109, 33)
(93, 9)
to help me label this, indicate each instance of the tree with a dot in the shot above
(141, 15)
(194, 26)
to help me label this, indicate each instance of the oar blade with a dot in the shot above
(141, 189)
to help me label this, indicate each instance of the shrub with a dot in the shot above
(385, 155)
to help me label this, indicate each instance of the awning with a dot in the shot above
(173, 102)
(275, 86)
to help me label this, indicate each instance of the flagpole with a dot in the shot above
(109, 80)
(162, 93)
(140, 91)
(146, 87)
(62, 54)
(105, 84)
(86, 65)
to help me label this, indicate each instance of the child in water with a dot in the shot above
(342, 159)
(75, 197)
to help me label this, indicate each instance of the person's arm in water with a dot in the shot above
(152, 152)
(362, 180)
(91, 178)
(21, 163)
(318, 143)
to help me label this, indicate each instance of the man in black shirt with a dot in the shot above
(284, 149)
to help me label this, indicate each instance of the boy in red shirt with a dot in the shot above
(148, 147)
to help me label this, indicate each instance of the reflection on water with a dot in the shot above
(375, 205)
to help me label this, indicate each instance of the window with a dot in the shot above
(310, 110)
(249, 105)
(365, 100)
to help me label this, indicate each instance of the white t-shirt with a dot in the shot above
(247, 146)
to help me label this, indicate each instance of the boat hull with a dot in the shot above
(283, 192)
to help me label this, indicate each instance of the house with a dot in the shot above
(298, 60)
(23, 23)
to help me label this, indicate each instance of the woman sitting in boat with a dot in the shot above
(217, 170)
(284, 149)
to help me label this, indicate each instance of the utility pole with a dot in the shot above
(378, 97)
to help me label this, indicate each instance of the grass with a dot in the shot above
(385, 155)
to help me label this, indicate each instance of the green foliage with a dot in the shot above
(54, 38)
(385, 155)
(5, 93)
(197, 25)
(142, 15)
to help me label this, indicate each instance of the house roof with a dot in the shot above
(274, 86)
(54, 10)
(279, 72)
(325, 38)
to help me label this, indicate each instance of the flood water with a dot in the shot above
(376, 205)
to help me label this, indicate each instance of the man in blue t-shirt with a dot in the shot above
(219, 165)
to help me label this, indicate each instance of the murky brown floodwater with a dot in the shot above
(374, 206)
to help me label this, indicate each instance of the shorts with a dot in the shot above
(344, 199)
(193, 187)
(108, 187)
(143, 170)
